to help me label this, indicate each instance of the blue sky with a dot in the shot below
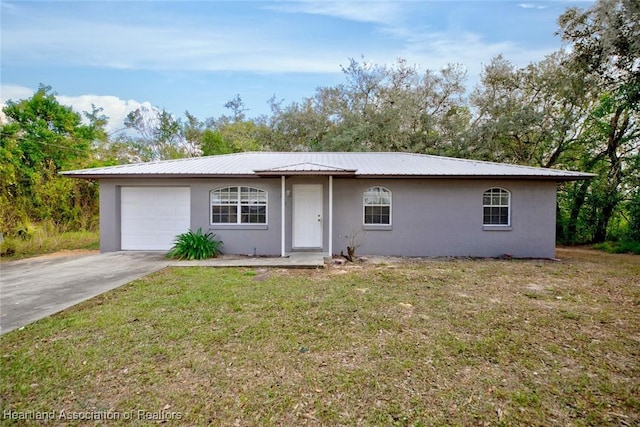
(196, 55)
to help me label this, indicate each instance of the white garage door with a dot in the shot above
(151, 217)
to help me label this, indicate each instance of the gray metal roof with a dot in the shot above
(306, 168)
(400, 165)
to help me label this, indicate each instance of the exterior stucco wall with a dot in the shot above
(444, 218)
(261, 240)
(437, 217)
(110, 206)
(109, 216)
(239, 239)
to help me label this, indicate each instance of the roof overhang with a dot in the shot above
(89, 176)
(335, 173)
(557, 178)
(306, 169)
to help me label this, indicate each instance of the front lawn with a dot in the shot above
(457, 342)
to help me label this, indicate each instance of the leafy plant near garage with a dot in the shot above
(196, 245)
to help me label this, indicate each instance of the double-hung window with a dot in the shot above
(377, 206)
(238, 205)
(496, 203)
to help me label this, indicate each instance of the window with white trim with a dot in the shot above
(496, 203)
(377, 206)
(238, 205)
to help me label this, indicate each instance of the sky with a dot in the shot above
(197, 55)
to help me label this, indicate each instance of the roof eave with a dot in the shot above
(342, 174)
(154, 176)
(558, 178)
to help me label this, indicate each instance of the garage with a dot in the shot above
(151, 217)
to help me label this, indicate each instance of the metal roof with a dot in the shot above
(306, 168)
(365, 165)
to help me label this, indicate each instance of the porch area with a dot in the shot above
(290, 260)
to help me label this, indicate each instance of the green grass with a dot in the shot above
(621, 247)
(45, 242)
(433, 343)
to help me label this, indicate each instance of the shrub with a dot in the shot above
(196, 245)
(26, 230)
(634, 214)
(621, 247)
(7, 248)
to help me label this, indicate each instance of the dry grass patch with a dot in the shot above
(48, 241)
(462, 342)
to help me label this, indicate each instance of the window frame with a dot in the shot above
(377, 226)
(238, 204)
(502, 192)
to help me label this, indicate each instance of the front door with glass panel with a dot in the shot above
(307, 216)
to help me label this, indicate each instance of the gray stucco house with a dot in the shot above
(268, 203)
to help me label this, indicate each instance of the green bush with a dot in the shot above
(634, 214)
(196, 245)
(26, 230)
(621, 247)
(7, 248)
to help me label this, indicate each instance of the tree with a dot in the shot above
(212, 143)
(304, 126)
(605, 43)
(42, 137)
(575, 110)
(533, 115)
(224, 136)
(192, 132)
(159, 135)
(536, 115)
(388, 108)
(233, 134)
(46, 131)
(237, 107)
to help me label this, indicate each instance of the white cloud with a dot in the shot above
(436, 50)
(157, 42)
(531, 6)
(271, 43)
(377, 12)
(97, 42)
(113, 107)
(420, 44)
(14, 93)
(148, 44)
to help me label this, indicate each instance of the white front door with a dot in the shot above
(307, 216)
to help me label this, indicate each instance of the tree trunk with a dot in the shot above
(617, 128)
(600, 234)
(351, 253)
(578, 202)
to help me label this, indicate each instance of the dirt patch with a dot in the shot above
(261, 275)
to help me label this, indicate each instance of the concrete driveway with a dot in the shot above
(34, 288)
